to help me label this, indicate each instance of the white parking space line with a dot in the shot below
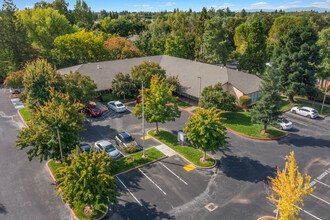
(152, 181)
(309, 213)
(128, 190)
(174, 173)
(320, 199)
(322, 183)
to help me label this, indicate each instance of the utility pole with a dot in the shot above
(143, 131)
(200, 89)
(59, 141)
(325, 95)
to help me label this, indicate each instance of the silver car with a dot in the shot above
(284, 124)
(110, 149)
(117, 106)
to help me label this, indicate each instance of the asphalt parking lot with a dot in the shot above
(156, 189)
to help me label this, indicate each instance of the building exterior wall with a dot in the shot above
(233, 90)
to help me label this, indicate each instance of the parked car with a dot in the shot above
(110, 149)
(124, 138)
(85, 147)
(305, 111)
(101, 106)
(15, 91)
(284, 124)
(92, 110)
(117, 106)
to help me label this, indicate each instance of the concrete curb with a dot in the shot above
(19, 113)
(210, 167)
(243, 135)
(52, 176)
(140, 165)
(263, 217)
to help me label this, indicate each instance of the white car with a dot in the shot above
(305, 111)
(117, 106)
(110, 149)
(284, 124)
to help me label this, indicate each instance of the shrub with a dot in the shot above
(319, 97)
(244, 101)
(131, 148)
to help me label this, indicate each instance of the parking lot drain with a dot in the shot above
(211, 207)
(189, 167)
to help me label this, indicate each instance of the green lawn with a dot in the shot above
(182, 104)
(285, 105)
(26, 113)
(124, 164)
(241, 123)
(190, 153)
(112, 97)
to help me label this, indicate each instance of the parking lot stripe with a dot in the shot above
(322, 183)
(152, 181)
(309, 213)
(320, 199)
(129, 191)
(174, 173)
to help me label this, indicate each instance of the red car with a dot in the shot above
(92, 110)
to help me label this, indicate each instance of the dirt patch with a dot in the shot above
(202, 160)
(87, 210)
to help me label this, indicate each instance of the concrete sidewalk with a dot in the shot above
(166, 150)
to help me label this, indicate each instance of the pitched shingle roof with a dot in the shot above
(187, 70)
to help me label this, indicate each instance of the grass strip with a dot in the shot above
(241, 123)
(190, 153)
(182, 104)
(124, 163)
(26, 113)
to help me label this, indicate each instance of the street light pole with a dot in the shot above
(143, 131)
(59, 141)
(200, 89)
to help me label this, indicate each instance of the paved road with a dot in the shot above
(26, 190)
(237, 186)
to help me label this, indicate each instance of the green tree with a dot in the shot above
(145, 71)
(216, 97)
(203, 17)
(15, 46)
(41, 139)
(86, 178)
(15, 80)
(288, 189)
(156, 101)
(324, 43)
(295, 61)
(255, 57)
(205, 130)
(38, 79)
(216, 46)
(174, 81)
(267, 109)
(180, 46)
(240, 38)
(82, 14)
(144, 43)
(120, 26)
(123, 85)
(44, 25)
(81, 88)
(79, 47)
(62, 7)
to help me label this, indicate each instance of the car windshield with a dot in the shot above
(95, 109)
(85, 148)
(120, 105)
(285, 121)
(128, 139)
(110, 148)
(314, 111)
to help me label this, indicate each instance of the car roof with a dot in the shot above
(308, 108)
(116, 102)
(124, 134)
(103, 143)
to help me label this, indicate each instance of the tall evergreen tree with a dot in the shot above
(203, 17)
(82, 14)
(217, 47)
(255, 57)
(15, 47)
(295, 61)
(267, 109)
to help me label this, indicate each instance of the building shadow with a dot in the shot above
(3, 209)
(246, 169)
(132, 210)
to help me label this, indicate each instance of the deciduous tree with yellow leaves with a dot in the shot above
(288, 189)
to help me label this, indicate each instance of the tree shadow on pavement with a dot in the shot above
(305, 141)
(3, 209)
(132, 210)
(246, 169)
(97, 132)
